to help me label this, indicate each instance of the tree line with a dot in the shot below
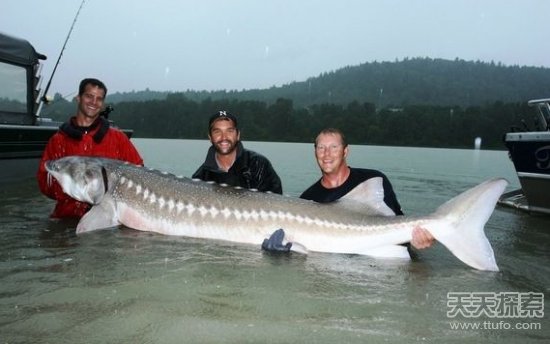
(422, 126)
(415, 125)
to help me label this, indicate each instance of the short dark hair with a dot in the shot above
(91, 81)
(222, 115)
(332, 131)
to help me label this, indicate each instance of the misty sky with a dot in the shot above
(241, 44)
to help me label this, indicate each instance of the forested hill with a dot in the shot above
(416, 102)
(417, 81)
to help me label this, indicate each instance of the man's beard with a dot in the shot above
(226, 150)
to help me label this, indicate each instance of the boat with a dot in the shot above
(23, 132)
(529, 150)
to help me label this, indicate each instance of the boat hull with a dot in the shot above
(530, 153)
(21, 147)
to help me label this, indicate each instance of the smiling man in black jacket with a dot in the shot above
(228, 162)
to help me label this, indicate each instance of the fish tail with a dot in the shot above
(465, 216)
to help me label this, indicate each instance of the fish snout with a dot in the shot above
(51, 166)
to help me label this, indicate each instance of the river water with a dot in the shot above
(124, 286)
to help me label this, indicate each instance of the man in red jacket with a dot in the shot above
(86, 134)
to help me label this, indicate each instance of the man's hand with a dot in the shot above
(421, 238)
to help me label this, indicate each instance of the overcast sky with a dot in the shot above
(241, 44)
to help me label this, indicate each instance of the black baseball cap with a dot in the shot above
(222, 115)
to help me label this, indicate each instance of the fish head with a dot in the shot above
(85, 179)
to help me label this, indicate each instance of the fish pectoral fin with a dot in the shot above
(101, 216)
(390, 251)
(298, 248)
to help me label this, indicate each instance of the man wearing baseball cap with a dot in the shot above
(228, 162)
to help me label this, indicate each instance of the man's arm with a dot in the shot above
(270, 181)
(49, 186)
(128, 151)
(421, 238)
(199, 173)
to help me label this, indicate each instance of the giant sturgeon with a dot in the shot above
(149, 200)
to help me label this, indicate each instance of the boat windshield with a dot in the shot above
(543, 110)
(13, 88)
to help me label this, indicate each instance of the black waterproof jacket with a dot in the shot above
(250, 170)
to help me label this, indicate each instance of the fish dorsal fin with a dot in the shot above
(367, 198)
